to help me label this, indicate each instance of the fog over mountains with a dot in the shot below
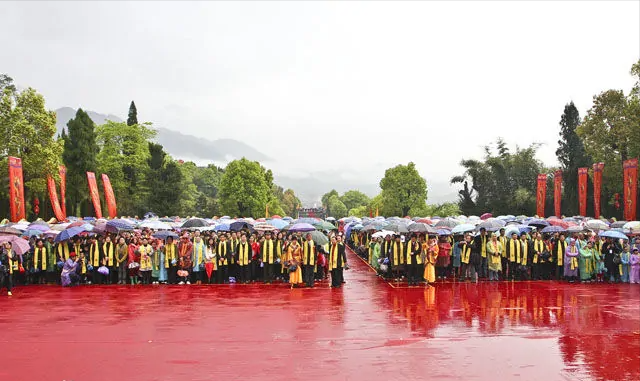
(308, 186)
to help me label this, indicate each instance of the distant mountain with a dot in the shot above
(179, 145)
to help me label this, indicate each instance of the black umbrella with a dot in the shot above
(194, 223)
(240, 225)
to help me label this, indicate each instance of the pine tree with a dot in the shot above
(133, 115)
(571, 155)
(79, 156)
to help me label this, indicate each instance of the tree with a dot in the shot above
(6, 82)
(290, 202)
(79, 156)
(28, 131)
(361, 211)
(337, 207)
(123, 146)
(403, 189)
(326, 197)
(354, 198)
(571, 155)
(133, 115)
(245, 188)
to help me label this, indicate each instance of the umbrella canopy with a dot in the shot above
(330, 219)
(239, 225)
(463, 228)
(18, 245)
(223, 228)
(194, 223)
(575, 229)
(613, 234)
(556, 222)
(319, 237)
(51, 233)
(32, 233)
(553, 229)
(420, 227)
(324, 225)
(492, 224)
(115, 226)
(8, 230)
(486, 216)
(509, 230)
(69, 233)
(275, 216)
(263, 227)
(538, 223)
(632, 225)
(443, 232)
(278, 224)
(597, 225)
(397, 227)
(447, 223)
(41, 227)
(425, 221)
(382, 234)
(302, 227)
(164, 234)
(618, 224)
(155, 225)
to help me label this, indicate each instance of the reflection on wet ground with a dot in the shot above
(368, 330)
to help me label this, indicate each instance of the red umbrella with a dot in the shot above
(557, 222)
(425, 221)
(486, 216)
(275, 216)
(77, 223)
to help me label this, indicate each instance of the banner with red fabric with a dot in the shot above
(597, 188)
(542, 195)
(53, 196)
(557, 192)
(62, 171)
(17, 207)
(95, 196)
(630, 189)
(582, 190)
(109, 197)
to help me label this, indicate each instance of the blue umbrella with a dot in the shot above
(223, 228)
(613, 234)
(239, 225)
(302, 227)
(444, 232)
(164, 234)
(32, 233)
(278, 224)
(552, 229)
(463, 228)
(116, 226)
(67, 234)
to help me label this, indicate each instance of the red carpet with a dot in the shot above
(368, 330)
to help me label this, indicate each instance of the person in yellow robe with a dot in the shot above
(293, 260)
(431, 256)
(494, 253)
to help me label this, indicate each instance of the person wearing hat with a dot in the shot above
(634, 264)
(69, 275)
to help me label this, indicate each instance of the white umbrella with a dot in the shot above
(155, 224)
(382, 233)
(632, 225)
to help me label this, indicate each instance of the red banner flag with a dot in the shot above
(17, 206)
(109, 197)
(557, 192)
(630, 189)
(597, 187)
(53, 196)
(582, 190)
(62, 171)
(542, 195)
(95, 196)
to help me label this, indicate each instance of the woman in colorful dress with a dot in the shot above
(494, 251)
(624, 264)
(431, 257)
(444, 257)
(133, 262)
(210, 264)
(585, 262)
(159, 272)
(294, 260)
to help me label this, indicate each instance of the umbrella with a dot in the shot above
(618, 224)
(278, 224)
(324, 225)
(165, 234)
(155, 225)
(463, 228)
(371, 227)
(223, 228)
(18, 245)
(330, 219)
(319, 237)
(275, 216)
(491, 224)
(509, 230)
(239, 225)
(613, 234)
(51, 233)
(420, 227)
(301, 227)
(425, 221)
(194, 223)
(40, 222)
(447, 223)
(597, 225)
(398, 228)
(9, 230)
(42, 228)
(264, 227)
(632, 225)
(382, 234)
(115, 226)
(443, 232)
(552, 229)
(538, 223)
(32, 233)
(486, 216)
(575, 229)
(556, 222)
(79, 223)
(69, 233)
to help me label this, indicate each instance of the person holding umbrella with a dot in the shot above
(69, 275)
(9, 265)
(309, 258)
(337, 261)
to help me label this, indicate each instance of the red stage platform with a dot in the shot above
(369, 330)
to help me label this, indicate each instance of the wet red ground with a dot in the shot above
(369, 330)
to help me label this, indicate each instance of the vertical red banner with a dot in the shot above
(62, 171)
(630, 189)
(95, 196)
(17, 206)
(542, 195)
(557, 192)
(109, 196)
(582, 190)
(53, 196)
(597, 188)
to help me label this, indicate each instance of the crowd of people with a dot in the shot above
(494, 256)
(191, 258)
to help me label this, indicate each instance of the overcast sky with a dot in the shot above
(372, 83)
